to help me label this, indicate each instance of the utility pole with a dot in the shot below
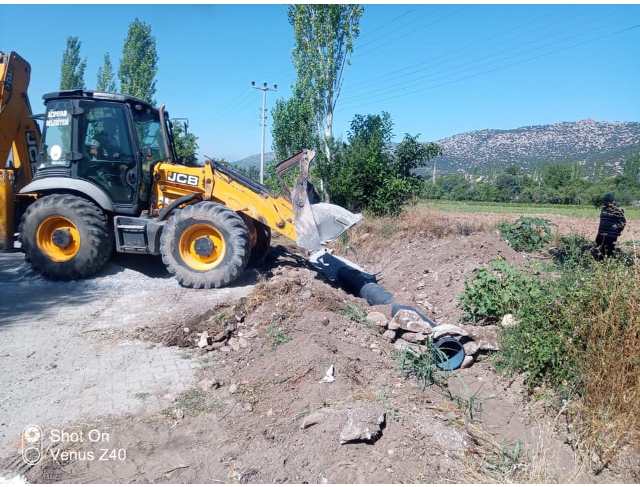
(264, 118)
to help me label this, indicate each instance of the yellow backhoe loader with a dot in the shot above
(103, 175)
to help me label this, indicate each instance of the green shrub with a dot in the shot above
(491, 293)
(527, 233)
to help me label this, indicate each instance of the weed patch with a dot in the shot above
(579, 335)
(527, 233)
(276, 336)
(491, 293)
(355, 314)
(192, 402)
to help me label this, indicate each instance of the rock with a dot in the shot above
(304, 295)
(364, 422)
(220, 336)
(216, 345)
(186, 330)
(467, 362)
(487, 337)
(233, 388)
(250, 334)
(325, 321)
(313, 418)
(225, 349)
(389, 335)
(448, 330)
(400, 344)
(208, 384)
(248, 407)
(378, 319)
(204, 339)
(409, 320)
(233, 343)
(509, 320)
(414, 337)
(243, 342)
(471, 347)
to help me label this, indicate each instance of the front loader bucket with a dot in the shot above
(316, 223)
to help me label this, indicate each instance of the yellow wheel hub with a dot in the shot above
(202, 247)
(58, 238)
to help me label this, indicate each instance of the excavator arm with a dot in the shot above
(19, 137)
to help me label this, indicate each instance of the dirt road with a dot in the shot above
(62, 352)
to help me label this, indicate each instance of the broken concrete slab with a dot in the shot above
(364, 422)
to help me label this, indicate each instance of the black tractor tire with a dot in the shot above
(263, 243)
(65, 237)
(205, 245)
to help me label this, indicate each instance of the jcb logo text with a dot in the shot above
(176, 177)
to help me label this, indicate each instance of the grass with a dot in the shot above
(609, 363)
(580, 339)
(575, 211)
(374, 234)
(192, 402)
(303, 414)
(356, 314)
(276, 336)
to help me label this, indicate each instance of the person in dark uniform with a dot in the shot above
(612, 222)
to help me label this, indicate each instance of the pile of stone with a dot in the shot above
(407, 330)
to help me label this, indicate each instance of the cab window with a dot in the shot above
(56, 146)
(149, 132)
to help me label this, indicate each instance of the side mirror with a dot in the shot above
(146, 151)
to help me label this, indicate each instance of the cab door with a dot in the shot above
(109, 157)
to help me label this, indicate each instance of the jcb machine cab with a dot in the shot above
(107, 177)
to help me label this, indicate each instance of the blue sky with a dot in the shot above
(438, 69)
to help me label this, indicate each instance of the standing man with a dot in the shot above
(612, 222)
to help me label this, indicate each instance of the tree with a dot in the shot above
(106, 81)
(139, 64)
(292, 126)
(364, 166)
(72, 68)
(411, 154)
(324, 35)
(186, 144)
(369, 175)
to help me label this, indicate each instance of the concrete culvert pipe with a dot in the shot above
(449, 353)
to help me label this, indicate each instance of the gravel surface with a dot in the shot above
(64, 355)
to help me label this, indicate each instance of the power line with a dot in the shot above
(225, 107)
(466, 47)
(409, 33)
(433, 76)
(412, 21)
(502, 67)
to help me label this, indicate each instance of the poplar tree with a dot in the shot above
(324, 35)
(139, 64)
(106, 81)
(72, 67)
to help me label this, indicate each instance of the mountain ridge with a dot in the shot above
(586, 142)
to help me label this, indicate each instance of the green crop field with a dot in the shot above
(631, 212)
